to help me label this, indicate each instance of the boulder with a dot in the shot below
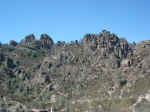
(13, 43)
(46, 41)
(28, 40)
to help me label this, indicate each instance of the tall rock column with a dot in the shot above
(46, 41)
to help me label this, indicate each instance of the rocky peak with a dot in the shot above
(105, 33)
(89, 41)
(45, 37)
(46, 41)
(106, 43)
(28, 40)
(107, 40)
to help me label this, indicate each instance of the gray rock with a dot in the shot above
(13, 43)
(29, 39)
(46, 41)
(89, 41)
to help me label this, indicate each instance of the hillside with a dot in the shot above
(100, 73)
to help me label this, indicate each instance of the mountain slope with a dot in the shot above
(100, 73)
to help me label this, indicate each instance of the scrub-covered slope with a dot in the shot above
(100, 73)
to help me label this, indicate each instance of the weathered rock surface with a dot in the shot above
(46, 41)
(89, 41)
(29, 39)
(100, 73)
(106, 43)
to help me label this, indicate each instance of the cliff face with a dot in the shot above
(106, 43)
(100, 73)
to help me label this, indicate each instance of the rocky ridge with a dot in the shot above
(44, 42)
(100, 73)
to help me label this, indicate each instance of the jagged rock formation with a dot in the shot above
(46, 41)
(89, 41)
(106, 43)
(100, 73)
(29, 39)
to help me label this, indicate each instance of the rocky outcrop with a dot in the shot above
(124, 48)
(13, 43)
(110, 43)
(46, 41)
(89, 41)
(106, 43)
(99, 73)
(28, 40)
